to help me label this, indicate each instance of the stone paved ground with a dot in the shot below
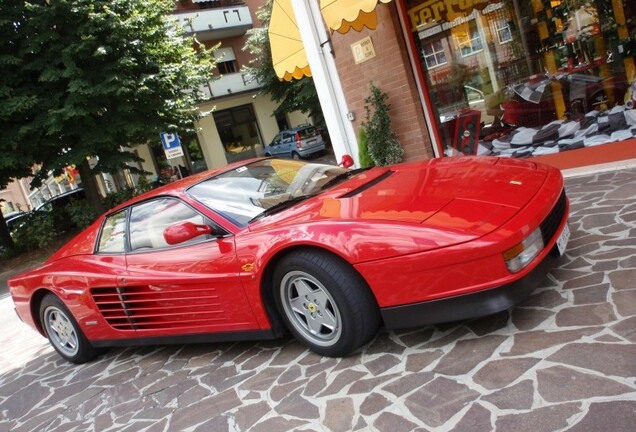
(565, 360)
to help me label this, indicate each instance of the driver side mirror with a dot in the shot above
(185, 231)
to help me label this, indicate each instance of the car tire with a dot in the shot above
(325, 303)
(63, 332)
(295, 156)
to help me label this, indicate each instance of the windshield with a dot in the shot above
(245, 192)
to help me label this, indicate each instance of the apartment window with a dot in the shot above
(433, 53)
(226, 60)
(227, 67)
(503, 32)
(469, 42)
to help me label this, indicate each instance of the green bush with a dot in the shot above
(113, 199)
(384, 147)
(37, 231)
(363, 150)
(143, 185)
(80, 213)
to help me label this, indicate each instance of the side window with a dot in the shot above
(113, 236)
(150, 219)
(277, 139)
(287, 138)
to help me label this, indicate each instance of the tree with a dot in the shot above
(15, 160)
(89, 77)
(297, 95)
(383, 145)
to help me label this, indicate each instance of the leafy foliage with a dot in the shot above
(80, 213)
(297, 95)
(384, 147)
(363, 150)
(37, 231)
(113, 199)
(89, 76)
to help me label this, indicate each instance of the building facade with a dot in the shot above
(551, 80)
(237, 119)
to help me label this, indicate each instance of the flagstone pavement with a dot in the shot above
(564, 360)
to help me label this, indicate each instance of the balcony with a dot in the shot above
(229, 84)
(217, 23)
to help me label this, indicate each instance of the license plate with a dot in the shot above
(562, 241)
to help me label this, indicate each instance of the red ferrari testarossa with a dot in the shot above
(245, 251)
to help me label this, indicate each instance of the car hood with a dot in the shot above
(464, 198)
(467, 195)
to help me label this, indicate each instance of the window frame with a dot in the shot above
(127, 233)
(434, 54)
(505, 27)
(97, 250)
(467, 40)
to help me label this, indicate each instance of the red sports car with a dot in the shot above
(245, 251)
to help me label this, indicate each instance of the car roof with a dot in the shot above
(13, 215)
(299, 127)
(60, 196)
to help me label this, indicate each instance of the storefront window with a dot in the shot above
(525, 78)
(239, 133)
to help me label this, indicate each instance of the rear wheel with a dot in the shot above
(295, 156)
(63, 331)
(325, 303)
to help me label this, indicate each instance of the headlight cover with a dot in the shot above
(520, 255)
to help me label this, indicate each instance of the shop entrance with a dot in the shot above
(239, 132)
(518, 79)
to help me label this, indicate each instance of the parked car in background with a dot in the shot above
(246, 250)
(58, 208)
(14, 219)
(296, 143)
(62, 200)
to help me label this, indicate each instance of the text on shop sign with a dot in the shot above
(442, 10)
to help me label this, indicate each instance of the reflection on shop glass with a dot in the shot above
(524, 78)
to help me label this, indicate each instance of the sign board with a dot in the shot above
(363, 50)
(171, 145)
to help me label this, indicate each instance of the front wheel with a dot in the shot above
(63, 331)
(325, 303)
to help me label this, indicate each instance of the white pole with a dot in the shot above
(325, 76)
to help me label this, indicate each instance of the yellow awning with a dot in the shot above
(288, 53)
(344, 15)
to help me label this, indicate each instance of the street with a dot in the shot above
(564, 360)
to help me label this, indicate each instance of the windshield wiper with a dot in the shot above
(279, 206)
(342, 176)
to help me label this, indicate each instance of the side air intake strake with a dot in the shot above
(153, 308)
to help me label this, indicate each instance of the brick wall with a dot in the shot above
(390, 70)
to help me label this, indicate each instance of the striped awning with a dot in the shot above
(344, 15)
(288, 52)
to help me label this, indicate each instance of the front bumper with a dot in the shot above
(472, 305)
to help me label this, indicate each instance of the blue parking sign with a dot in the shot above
(170, 140)
(171, 145)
